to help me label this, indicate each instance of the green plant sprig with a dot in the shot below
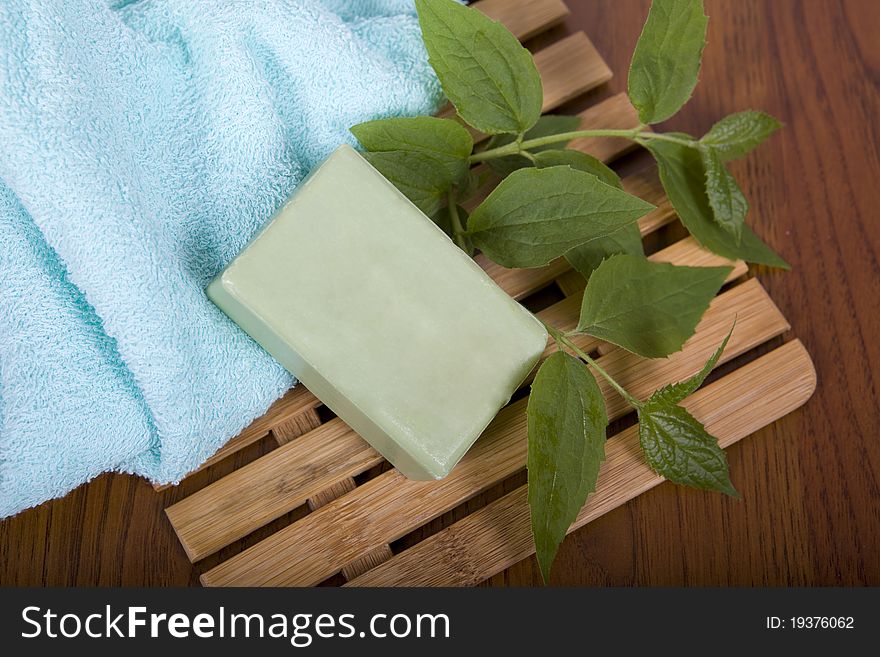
(638, 135)
(556, 202)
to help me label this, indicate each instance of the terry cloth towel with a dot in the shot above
(142, 143)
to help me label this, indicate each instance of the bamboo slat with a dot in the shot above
(615, 112)
(295, 427)
(568, 68)
(269, 487)
(370, 560)
(498, 535)
(330, 493)
(389, 506)
(525, 18)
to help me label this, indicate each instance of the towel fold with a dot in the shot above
(143, 143)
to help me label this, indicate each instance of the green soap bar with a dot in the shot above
(381, 316)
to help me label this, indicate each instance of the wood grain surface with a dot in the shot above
(810, 482)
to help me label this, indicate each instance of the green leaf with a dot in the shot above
(587, 257)
(444, 140)
(444, 221)
(737, 134)
(489, 77)
(421, 177)
(666, 61)
(580, 161)
(684, 179)
(649, 308)
(537, 215)
(566, 428)
(676, 392)
(729, 205)
(545, 127)
(677, 446)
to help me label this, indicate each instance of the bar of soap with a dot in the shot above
(368, 303)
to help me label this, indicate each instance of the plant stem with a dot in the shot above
(648, 136)
(516, 147)
(578, 134)
(639, 135)
(457, 228)
(563, 340)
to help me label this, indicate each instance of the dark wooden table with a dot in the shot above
(810, 513)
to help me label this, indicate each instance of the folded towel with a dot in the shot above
(143, 143)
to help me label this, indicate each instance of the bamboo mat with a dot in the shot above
(354, 507)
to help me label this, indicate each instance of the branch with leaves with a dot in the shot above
(555, 202)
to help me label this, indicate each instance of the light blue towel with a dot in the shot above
(141, 145)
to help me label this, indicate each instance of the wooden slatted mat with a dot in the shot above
(351, 509)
